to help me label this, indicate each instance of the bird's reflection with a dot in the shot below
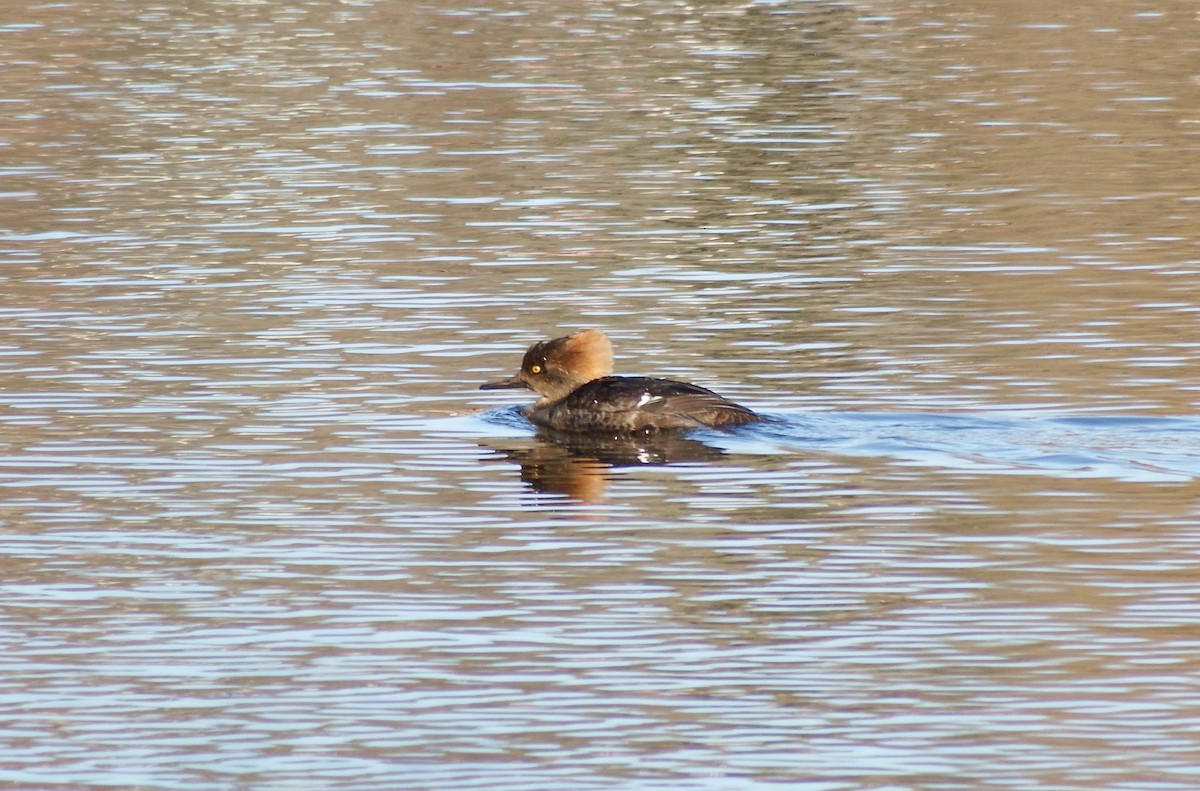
(579, 466)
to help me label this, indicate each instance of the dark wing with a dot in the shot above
(635, 403)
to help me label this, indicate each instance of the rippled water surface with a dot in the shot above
(261, 530)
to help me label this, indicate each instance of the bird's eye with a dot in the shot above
(535, 369)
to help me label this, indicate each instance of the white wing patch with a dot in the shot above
(647, 398)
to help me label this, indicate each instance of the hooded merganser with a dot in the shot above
(572, 376)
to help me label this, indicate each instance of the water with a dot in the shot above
(261, 530)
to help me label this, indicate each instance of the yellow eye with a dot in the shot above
(535, 369)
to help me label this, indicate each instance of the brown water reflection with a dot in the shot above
(257, 257)
(580, 466)
(1048, 159)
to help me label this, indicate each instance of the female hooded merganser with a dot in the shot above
(572, 376)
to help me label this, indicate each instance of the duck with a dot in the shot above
(572, 376)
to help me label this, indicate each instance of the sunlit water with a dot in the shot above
(261, 530)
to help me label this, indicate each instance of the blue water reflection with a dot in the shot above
(1129, 448)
